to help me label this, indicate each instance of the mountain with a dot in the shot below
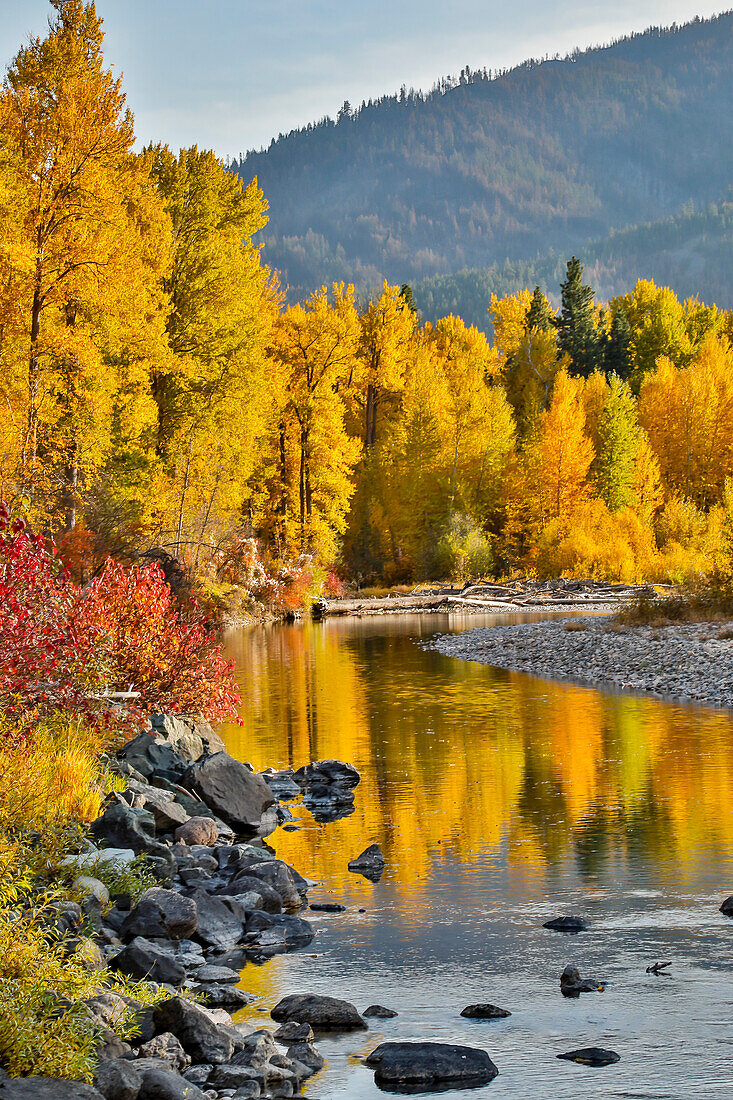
(689, 252)
(516, 165)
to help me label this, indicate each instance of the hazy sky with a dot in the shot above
(231, 74)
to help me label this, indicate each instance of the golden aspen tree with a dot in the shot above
(316, 348)
(509, 321)
(559, 459)
(688, 416)
(213, 394)
(90, 230)
(386, 333)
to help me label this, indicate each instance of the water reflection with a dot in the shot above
(500, 800)
(459, 760)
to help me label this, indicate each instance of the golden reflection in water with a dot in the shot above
(463, 761)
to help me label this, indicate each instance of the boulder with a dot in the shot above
(117, 1080)
(246, 884)
(210, 973)
(231, 790)
(307, 1055)
(232, 1076)
(276, 873)
(591, 1056)
(92, 887)
(727, 906)
(370, 863)
(379, 1012)
(143, 959)
(197, 830)
(322, 1013)
(572, 985)
(165, 1084)
(484, 1012)
(220, 920)
(222, 996)
(169, 815)
(167, 1047)
(566, 924)
(161, 913)
(47, 1088)
(330, 771)
(426, 1066)
(190, 737)
(294, 1033)
(192, 1025)
(125, 826)
(274, 933)
(327, 907)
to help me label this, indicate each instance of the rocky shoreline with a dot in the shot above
(222, 899)
(691, 662)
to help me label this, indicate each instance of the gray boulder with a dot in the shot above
(165, 1084)
(277, 932)
(485, 1012)
(123, 826)
(727, 907)
(47, 1088)
(143, 959)
(426, 1066)
(192, 1025)
(307, 1055)
(161, 913)
(379, 1012)
(277, 874)
(370, 863)
(220, 920)
(245, 884)
(190, 737)
(117, 1080)
(294, 1033)
(231, 790)
(167, 1047)
(322, 1013)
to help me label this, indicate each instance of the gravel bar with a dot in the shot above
(692, 662)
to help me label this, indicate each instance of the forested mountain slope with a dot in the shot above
(489, 167)
(691, 252)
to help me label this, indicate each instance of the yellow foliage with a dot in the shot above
(593, 542)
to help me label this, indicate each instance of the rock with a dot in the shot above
(252, 1089)
(161, 913)
(322, 1013)
(233, 792)
(167, 1047)
(294, 1032)
(129, 827)
(591, 1056)
(379, 1012)
(190, 737)
(168, 815)
(727, 906)
(197, 1075)
(277, 932)
(231, 1076)
(307, 1055)
(211, 973)
(220, 920)
(566, 924)
(572, 985)
(277, 874)
(222, 996)
(370, 863)
(117, 1080)
(246, 884)
(330, 771)
(327, 907)
(197, 830)
(165, 1084)
(143, 959)
(425, 1066)
(484, 1012)
(47, 1088)
(192, 1025)
(107, 1007)
(85, 884)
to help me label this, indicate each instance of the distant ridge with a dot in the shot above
(488, 168)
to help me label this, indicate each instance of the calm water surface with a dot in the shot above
(500, 801)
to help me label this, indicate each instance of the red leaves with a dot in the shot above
(62, 646)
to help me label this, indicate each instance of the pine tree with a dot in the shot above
(540, 316)
(617, 350)
(578, 337)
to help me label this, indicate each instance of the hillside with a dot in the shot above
(689, 252)
(536, 160)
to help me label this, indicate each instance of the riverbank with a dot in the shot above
(692, 662)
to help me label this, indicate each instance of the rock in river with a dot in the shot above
(591, 1056)
(485, 1012)
(727, 906)
(571, 983)
(370, 863)
(421, 1067)
(566, 924)
(379, 1012)
(237, 795)
(322, 1013)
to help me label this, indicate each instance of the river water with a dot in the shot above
(500, 801)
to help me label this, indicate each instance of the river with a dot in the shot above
(500, 801)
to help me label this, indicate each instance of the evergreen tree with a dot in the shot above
(617, 350)
(408, 300)
(540, 316)
(578, 336)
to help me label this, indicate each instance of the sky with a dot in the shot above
(231, 74)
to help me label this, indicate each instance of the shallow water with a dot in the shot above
(501, 800)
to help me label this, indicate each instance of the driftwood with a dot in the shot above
(476, 594)
(659, 968)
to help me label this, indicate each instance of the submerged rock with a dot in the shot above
(421, 1067)
(591, 1056)
(322, 1013)
(566, 924)
(327, 907)
(727, 906)
(485, 1012)
(379, 1012)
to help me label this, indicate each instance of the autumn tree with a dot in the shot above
(386, 329)
(618, 447)
(87, 234)
(559, 459)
